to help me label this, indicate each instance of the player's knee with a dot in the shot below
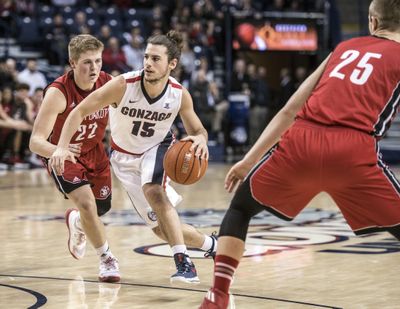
(234, 224)
(236, 221)
(103, 206)
(85, 204)
(244, 202)
(155, 195)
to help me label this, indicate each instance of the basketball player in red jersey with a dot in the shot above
(87, 182)
(324, 139)
(144, 104)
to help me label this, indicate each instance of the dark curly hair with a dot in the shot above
(172, 41)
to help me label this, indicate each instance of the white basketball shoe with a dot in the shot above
(109, 269)
(76, 239)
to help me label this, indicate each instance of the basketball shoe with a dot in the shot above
(213, 250)
(186, 271)
(216, 299)
(109, 269)
(77, 238)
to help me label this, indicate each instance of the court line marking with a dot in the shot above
(40, 298)
(177, 288)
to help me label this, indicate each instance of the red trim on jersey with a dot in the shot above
(117, 148)
(175, 85)
(164, 181)
(134, 79)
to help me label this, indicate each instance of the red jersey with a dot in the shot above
(92, 129)
(360, 87)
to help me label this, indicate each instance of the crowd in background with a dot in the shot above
(48, 26)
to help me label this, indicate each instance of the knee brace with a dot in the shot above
(103, 206)
(243, 207)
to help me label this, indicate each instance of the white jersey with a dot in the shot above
(140, 122)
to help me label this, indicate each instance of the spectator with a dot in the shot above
(31, 76)
(203, 65)
(19, 108)
(114, 57)
(80, 23)
(105, 34)
(136, 33)
(134, 53)
(239, 79)
(7, 123)
(259, 101)
(200, 94)
(25, 7)
(8, 73)
(64, 2)
(300, 75)
(57, 40)
(220, 107)
(37, 99)
(286, 87)
(187, 58)
(277, 5)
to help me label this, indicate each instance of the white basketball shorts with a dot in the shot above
(134, 171)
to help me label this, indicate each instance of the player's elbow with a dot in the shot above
(33, 143)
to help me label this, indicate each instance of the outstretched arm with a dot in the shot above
(274, 130)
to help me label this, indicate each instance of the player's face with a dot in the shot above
(87, 68)
(155, 63)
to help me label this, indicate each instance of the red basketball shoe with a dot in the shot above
(216, 299)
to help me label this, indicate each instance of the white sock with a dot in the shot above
(104, 250)
(179, 249)
(208, 243)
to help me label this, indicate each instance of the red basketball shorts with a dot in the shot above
(91, 168)
(343, 162)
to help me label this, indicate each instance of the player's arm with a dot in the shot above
(109, 94)
(54, 103)
(193, 126)
(10, 123)
(274, 130)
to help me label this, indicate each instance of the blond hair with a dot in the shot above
(83, 43)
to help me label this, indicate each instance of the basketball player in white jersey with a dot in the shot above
(145, 104)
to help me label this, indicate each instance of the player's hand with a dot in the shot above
(75, 149)
(236, 175)
(199, 145)
(58, 158)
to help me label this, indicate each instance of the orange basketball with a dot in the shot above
(182, 166)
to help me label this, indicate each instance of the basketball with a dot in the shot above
(181, 164)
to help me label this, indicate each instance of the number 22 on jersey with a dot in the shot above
(363, 69)
(83, 129)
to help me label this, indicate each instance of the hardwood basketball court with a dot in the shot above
(313, 262)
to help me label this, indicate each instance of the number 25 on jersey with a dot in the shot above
(363, 69)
